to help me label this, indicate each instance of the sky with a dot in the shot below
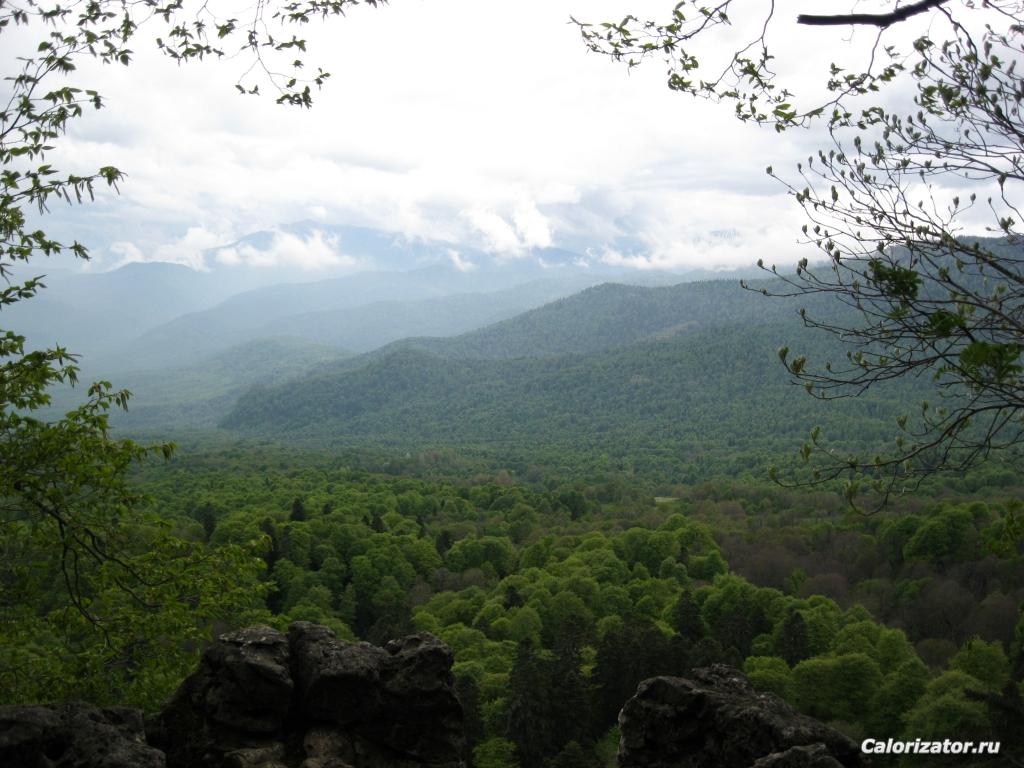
(469, 121)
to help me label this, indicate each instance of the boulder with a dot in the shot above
(263, 699)
(235, 703)
(715, 719)
(75, 735)
(397, 702)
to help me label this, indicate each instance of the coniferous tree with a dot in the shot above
(793, 644)
(686, 619)
(468, 694)
(570, 693)
(530, 725)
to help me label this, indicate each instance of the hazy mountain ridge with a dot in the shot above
(715, 382)
(196, 350)
(607, 316)
(89, 313)
(200, 394)
(342, 318)
(341, 311)
(154, 314)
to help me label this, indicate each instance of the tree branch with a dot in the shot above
(881, 20)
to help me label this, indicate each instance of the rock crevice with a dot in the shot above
(715, 719)
(264, 699)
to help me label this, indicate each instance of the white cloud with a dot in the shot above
(126, 253)
(473, 142)
(710, 231)
(460, 263)
(532, 226)
(499, 236)
(190, 249)
(317, 251)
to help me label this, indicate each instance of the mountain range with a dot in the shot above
(538, 356)
(653, 376)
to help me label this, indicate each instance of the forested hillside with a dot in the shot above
(467, 363)
(198, 395)
(559, 596)
(684, 382)
(614, 315)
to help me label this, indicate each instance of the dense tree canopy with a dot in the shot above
(83, 558)
(905, 177)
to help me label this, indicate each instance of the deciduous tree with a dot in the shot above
(84, 560)
(892, 201)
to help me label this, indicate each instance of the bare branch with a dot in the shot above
(881, 20)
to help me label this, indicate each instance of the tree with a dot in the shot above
(792, 643)
(686, 618)
(531, 706)
(888, 203)
(128, 597)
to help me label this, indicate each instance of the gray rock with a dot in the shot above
(260, 699)
(715, 719)
(237, 699)
(328, 742)
(813, 756)
(397, 703)
(269, 756)
(75, 735)
(336, 681)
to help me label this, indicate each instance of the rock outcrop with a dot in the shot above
(261, 699)
(75, 735)
(264, 699)
(715, 719)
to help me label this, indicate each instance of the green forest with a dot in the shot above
(521, 374)
(558, 596)
(574, 500)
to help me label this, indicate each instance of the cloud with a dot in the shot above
(126, 253)
(709, 231)
(532, 226)
(313, 252)
(461, 264)
(514, 152)
(498, 235)
(189, 249)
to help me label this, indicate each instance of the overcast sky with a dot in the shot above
(473, 121)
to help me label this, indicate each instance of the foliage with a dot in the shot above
(683, 407)
(115, 597)
(887, 203)
(548, 647)
(101, 598)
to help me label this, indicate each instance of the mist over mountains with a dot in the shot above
(542, 353)
(188, 342)
(650, 376)
(275, 283)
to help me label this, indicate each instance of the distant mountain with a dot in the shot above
(615, 369)
(200, 394)
(359, 312)
(90, 312)
(370, 326)
(303, 279)
(603, 317)
(613, 315)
